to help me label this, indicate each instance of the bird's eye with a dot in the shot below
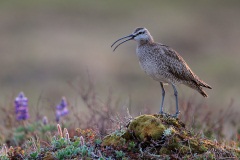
(141, 32)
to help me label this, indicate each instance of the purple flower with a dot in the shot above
(21, 107)
(61, 109)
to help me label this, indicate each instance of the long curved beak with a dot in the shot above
(130, 37)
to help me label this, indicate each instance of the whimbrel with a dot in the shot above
(163, 64)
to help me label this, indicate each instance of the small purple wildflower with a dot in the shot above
(21, 107)
(61, 109)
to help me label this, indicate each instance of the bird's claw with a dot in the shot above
(169, 115)
(176, 115)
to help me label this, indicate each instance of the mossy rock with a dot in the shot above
(168, 136)
(147, 127)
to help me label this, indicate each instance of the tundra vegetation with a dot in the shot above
(104, 133)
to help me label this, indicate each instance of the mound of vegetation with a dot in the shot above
(158, 136)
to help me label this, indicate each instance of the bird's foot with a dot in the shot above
(176, 115)
(163, 113)
(169, 115)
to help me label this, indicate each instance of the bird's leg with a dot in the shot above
(176, 98)
(163, 95)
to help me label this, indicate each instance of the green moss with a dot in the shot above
(113, 140)
(173, 121)
(147, 127)
(197, 146)
(174, 143)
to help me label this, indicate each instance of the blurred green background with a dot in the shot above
(44, 44)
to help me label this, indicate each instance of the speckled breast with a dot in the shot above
(153, 67)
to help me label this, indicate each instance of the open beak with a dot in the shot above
(130, 37)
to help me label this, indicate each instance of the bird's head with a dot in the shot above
(140, 35)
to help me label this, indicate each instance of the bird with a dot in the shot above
(163, 64)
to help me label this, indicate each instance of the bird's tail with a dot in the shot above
(203, 84)
(197, 85)
(201, 91)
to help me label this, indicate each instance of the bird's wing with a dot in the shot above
(177, 66)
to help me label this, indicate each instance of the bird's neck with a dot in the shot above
(145, 41)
